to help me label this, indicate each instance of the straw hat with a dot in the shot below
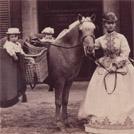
(110, 17)
(47, 30)
(13, 31)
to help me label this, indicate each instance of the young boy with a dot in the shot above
(47, 33)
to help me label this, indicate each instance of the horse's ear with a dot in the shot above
(93, 17)
(80, 17)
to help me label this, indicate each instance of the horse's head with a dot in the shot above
(79, 32)
(86, 28)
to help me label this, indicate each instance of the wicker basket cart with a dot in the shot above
(34, 65)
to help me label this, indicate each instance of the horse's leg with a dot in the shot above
(58, 101)
(65, 98)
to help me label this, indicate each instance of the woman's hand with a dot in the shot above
(112, 68)
(119, 63)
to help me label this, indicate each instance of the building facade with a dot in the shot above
(31, 16)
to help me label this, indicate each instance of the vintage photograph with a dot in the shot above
(66, 66)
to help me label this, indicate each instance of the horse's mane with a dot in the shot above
(64, 32)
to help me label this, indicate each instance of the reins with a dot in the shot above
(115, 82)
(65, 47)
(108, 73)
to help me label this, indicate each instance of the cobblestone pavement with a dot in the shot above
(37, 115)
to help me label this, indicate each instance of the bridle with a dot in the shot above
(85, 36)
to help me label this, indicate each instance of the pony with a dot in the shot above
(64, 61)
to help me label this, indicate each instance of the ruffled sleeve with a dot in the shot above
(125, 50)
(121, 60)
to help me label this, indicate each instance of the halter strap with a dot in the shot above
(85, 36)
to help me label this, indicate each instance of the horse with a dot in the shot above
(65, 58)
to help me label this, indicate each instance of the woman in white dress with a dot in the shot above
(108, 105)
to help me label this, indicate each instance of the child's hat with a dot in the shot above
(48, 30)
(13, 31)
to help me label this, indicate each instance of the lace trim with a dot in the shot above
(107, 124)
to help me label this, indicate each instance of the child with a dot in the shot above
(12, 45)
(47, 33)
(47, 39)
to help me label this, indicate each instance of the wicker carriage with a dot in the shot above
(34, 64)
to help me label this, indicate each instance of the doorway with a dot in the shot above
(60, 14)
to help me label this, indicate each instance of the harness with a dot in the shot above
(84, 37)
(75, 46)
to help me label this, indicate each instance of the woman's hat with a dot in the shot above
(13, 31)
(110, 17)
(47, 30)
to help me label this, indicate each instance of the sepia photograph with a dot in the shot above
(66, 66)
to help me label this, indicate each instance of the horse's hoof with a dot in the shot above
(59, 124)
(83, 121)
(67, 124)
(61, 127)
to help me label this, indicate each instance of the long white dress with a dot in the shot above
(109, 101)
